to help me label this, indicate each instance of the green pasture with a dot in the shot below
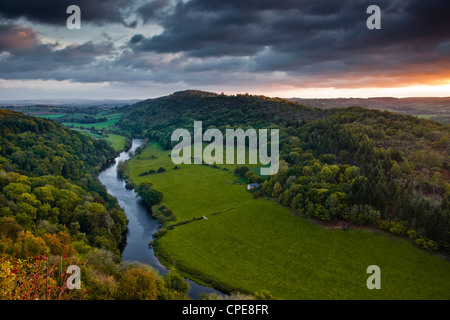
(112, 120)
(252, 244)
(117, 141)
(50, 116)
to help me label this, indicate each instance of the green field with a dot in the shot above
(112, 120)
(117, 141)
(226, 184)
(254, 244)
(50, 116)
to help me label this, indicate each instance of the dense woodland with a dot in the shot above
(54, 213)
(353, 164)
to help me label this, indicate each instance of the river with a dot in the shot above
(141, 225)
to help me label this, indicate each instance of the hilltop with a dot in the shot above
(160, 116)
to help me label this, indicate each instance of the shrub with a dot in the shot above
(160, 232)
(121, 169)
(252, 177)
(362, 214)
(161, 170)
(138, 284)
(426, 243)
(241, 171)
(264, 295)
(148, 194)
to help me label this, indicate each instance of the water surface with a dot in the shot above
(141, 225)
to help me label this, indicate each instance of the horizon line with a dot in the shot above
(291, 97)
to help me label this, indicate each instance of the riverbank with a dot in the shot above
(261, 245)
(141, 226)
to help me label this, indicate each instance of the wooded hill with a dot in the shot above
(158, 118)
(54, 213)
(353, 164)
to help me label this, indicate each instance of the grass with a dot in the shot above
(256, 244)
(178, 185)
(112, 120)
(261, 246)
(89, 133)
(50, 116)
(117, 141)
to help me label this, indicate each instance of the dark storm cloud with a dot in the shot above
(197, 25)
(137, 38)
(306, 36)
(154, 10)
(220, 41)
(54, 12)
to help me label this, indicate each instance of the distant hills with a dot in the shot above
(68, 102)
(431, 108)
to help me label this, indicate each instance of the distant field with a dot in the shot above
(425, 116)
(50, 116)
(117, 141)
(89, 133)
(111, 122)
(254, 244)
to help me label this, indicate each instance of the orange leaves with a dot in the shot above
(35, 278)
(138, 284)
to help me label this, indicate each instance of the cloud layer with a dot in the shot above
(232, 43)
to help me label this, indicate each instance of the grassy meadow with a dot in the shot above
(51, 116)
(255, 244)
(117, 141)
(111, 121)
(197, 185)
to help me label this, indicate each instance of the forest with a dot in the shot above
(54, 213)
(345, 164)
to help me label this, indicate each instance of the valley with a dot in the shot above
(355, 188)
(254, 245)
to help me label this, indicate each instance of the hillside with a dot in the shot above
(362, 166)
(157, 118)
(54, 213)
(37, 147)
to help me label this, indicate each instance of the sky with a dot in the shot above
(138, 49)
